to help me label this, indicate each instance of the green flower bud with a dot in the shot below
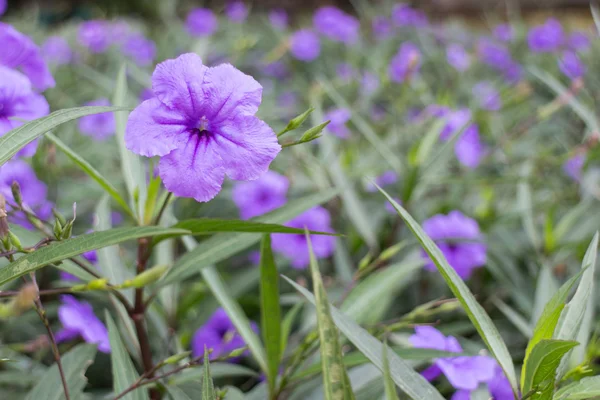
(313, 133)
(174, 359)
(147, 277)
(296, 122)
(16, 192)
(14, 239)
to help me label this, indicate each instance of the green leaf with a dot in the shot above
(208, 388)
(409, 381)
(132, 167)
(270, 311)
(336, 383)
(16, 139)
(482, 322)
(390, 388)
(217, 370)
(74, 363)
(91, 172)
(540, 368)
(176, 393)
(123, 370)
(222, 246)
(286, 326)
(585, 389)
(59, 251)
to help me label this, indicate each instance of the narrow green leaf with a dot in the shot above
(74, 363)
(406, 378)
(208, 388)
(390, 388)
(482, 322)
(78, 245)
(123, 370)
(270, 311)
(223, 246)
(91, 172)
(428, 141)
(16, 139)
(286, 325)
(585, 389)
(540, 368)
(335, 378)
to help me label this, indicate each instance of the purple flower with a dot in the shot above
(305, 45)
(95, 35)
(455, 120)
(345, 71)
(146, 94)
(487, 96)
(33, 191)
(406, 63)
(459, 239)
(499, 386)
(463, 372)
(339, 117)
(405, 15)
(570, 64)
(387, 178)
(218, 334)
(98, 126)
(295, 247)
(236, 11)
(119, 30)
(278, 18)
(141, 50)
(513, 73)
(458, 57)
(494, 54)
(382, 27)
(547, 37)
(201, 22)
(468, 149)
(390, 208)
(504, 32)
(574, 166)
(201, 123)
(369, 83)
(18, 51)
(262, 195)
(578, 41)
(3, 6)
(91, 256)
(56, 50)
(336, 25)
(19, 102)
(78, 319)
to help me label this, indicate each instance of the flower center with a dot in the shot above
(203, 124)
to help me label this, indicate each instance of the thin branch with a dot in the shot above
(162, 208)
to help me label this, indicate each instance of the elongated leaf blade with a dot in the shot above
(270, 311)
(208, 387)
(586, 388)
(482, 322)
(390, 388)
(123, 370)
(74, 363)
(75, 246)
(16, 139)
(406, 378)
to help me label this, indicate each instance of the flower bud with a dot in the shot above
(16, 192)
(174, 359)
(313, 133)
(16, 242)
(4, 229)
(147, 277)
(297, 121)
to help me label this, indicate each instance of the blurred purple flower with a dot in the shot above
(345, 71)
(278, 18)
(405, 15)
(547, 37)
(3, 6)
(578, 41)
(260, 196)
(146, 94)
(276, 69)
(78, 319)
(458, 57)
(19, 102)
(91, 256)
(513, 73)
(468, 148)
(56, 51)
(339, 117)
(369, 83)
(504, 32)
(390, 208)
(336, 25)
(494, 54)
(455, 120)
(219, 334)
(207, 111)
(95, 35)
(33, 191)
(499, 386)
(98, 126)
(570, 64)
(574, 166)
(459, 239)
(141, 50)
(305, 45)
(237, 11)
(201, 22)
(18, 51)
(295, 247)
(118, 31)
(387, 178)
(406, 63)
(378, 113)
(382, 27)
(487, 96)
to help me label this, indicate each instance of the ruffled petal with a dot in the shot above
(193, 170)
(178, 83)
(154, 130)
(31, 107)
(247, 146)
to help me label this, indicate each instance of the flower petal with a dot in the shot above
(247, 146)
(193, 170)
(178, 83)
(154, 130)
